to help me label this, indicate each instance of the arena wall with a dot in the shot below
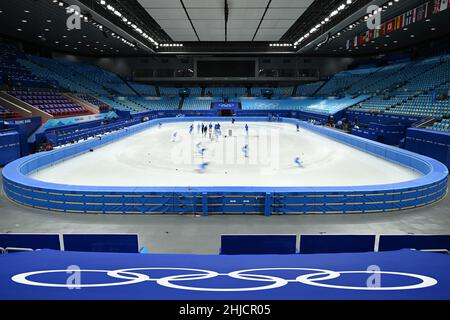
(429, 188)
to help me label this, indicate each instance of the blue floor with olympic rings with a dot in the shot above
(49, 275)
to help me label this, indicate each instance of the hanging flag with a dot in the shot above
(398, 22)
(420, 12)
(361, 38)
(382, 29)
(376, 33)
(444, 5)
(409, 17)
(347, 45)
(436, 6)
(390, 26)
(413, 15)
(427, 11)
(355, 41)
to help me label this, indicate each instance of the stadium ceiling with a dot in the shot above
(143, 27)
(225, 20)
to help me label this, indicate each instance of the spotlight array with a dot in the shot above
(280, 45)
(350, 27)
(171, 45)
(324, 21)
(128, 21)
(70, 10)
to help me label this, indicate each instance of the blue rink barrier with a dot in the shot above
(429, 188)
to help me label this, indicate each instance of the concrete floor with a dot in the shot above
(201, 235)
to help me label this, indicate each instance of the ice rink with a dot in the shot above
(159, 157)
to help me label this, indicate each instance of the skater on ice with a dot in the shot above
(202, 167)
(174, 136)
(298, 162)
(246, 129)
(298, 127)
(245, 150)
(191, 128)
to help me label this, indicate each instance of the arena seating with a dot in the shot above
(65, 78)
(443, 125)
(343, 80)
(279, 92)
(412, 91)
(172, 91)
(201, 103)
(106, 81)
(102, 106)
(5, 113)
(143, 89)
(314, 105)
(51, 102)
(156, 103)
(123, 103)
(226, 92)
(16, 75)
(308, 89)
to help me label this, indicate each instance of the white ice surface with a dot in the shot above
(150, 158)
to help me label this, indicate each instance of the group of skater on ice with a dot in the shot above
(214, 131)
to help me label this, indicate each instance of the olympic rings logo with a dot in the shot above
(316, 277)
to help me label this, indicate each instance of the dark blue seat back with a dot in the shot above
(419, 242)
(258, 244)
(336, 243)
(31, 241)
(124, 243)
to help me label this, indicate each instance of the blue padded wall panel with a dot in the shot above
(336, 243)
(397, 242)
(258, 244)
(124, 243)
(32, 241)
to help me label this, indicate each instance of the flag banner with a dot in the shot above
(436, 6)
(411, 16)
(420, 13)
(408, 18)
(376, 33)
(390, 26)
(348, 44)
(382, 29)
(398, 22)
